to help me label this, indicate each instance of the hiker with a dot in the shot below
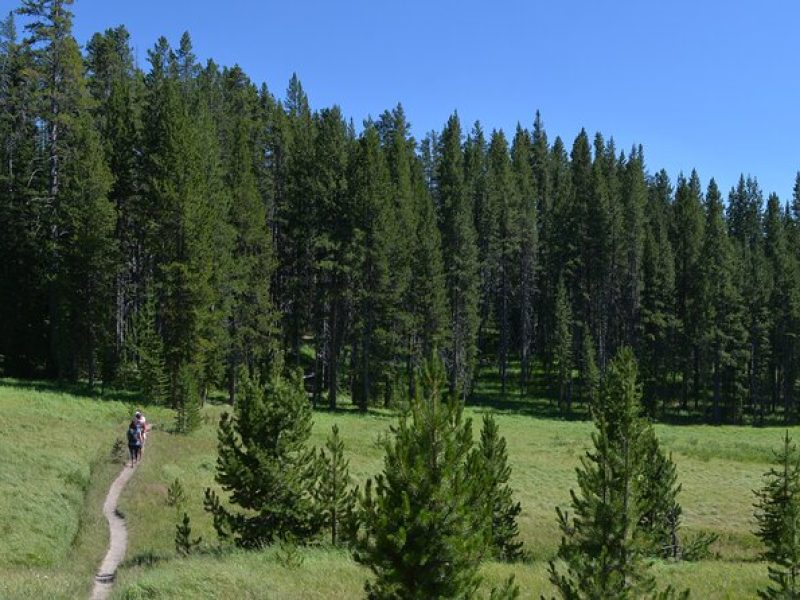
(143, 427)
(134, 441)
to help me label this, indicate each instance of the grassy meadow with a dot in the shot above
(57, 465)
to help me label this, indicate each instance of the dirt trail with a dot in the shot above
(119, 536)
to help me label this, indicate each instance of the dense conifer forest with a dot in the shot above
(176, 224)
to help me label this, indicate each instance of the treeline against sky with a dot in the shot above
(182, 223)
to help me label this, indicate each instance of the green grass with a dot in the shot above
(719, 468)
(55, 470)
(59, 443)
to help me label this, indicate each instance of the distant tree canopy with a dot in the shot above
(180, 216)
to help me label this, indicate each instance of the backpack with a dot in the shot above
(133, 436)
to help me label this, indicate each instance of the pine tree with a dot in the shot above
(634, 201)
(83, 258)
(191, 238)
(25, 243)
(778, 516)
(485, 211)
(251, 322)
(559, 250)
(266, 467)
(460, 252)
(579, 252)
(495, 471)
(602, 544)
(184, 544)
(563, 346)
(589, 373)
(408, 194)
(148, 348)
(784, 307)
(188, 417)
(419, 537)
(658, 322)
(502, 198)
(296, 215)
(334, 494)
(527, 249)
(722, 311)
(687, 238)
(116, 87)
(331, 247)
(374, 296)
(661, 512)
(428, 296)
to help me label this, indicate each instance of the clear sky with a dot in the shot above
(712, 85)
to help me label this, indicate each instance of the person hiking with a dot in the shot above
(134, 441)
(143, 427)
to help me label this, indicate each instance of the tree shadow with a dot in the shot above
(539, 399)
(78, 388)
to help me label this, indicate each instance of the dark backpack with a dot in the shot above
(133, 436)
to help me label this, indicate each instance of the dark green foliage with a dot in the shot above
(658, 319)
(251, 320)
(688, 226)
(176, 495)
(778, 517)
(179, 214)
(374, 296)
(603, 545)
(118, 451)
(184, 544)
(563, 346)
(508, 591)
(419, 536)
(589, 373)
(334, 494)
(188, 416)
(660, 518)
(527, 245)
(265, 466)
(460, 251)
(722, 312)
(495, 473)
(148, 350)
(79, 248)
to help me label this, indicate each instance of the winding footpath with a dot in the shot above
(118, 534)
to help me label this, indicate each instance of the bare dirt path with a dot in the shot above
(118, 538)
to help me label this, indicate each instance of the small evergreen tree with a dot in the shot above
(176, 495)
(603, 544)
(188, 416)
(149, 349)
(335, 498)
(778, 516)
(184, 544)
(419, 537)
(265, 465)
(661, 515)
(495, 472)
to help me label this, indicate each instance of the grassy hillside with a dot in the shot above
(56, 468)
(718, 468)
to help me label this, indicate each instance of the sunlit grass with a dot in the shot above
(52, 535)
(55, 469)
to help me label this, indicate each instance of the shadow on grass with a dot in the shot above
(540, 400)
(79, 388)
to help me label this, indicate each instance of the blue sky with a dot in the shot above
(704, 84)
